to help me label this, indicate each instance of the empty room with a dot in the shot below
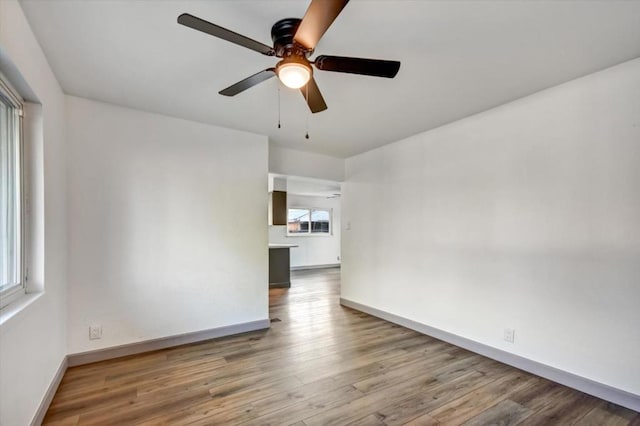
(319, 212)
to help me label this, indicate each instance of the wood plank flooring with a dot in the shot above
(319, 364)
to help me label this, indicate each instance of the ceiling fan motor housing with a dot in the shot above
(285, 47)
(282, 34)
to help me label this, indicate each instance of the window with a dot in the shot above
(11, 223)
(308, 221)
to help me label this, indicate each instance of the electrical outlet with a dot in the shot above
(338, 258)
(95, 332)
(509, 335)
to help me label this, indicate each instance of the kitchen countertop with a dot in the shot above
(277, 245)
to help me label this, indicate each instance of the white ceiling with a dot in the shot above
(458, 58)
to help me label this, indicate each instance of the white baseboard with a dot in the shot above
(600, 390)
(304, 268)
(50, 393)
(164, 342)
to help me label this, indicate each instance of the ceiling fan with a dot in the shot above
(294, 40)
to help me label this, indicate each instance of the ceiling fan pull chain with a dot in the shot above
(278, 105)
(306, 136)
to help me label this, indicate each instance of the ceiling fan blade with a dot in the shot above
(374, 67)
(314, 100)
(248, 82)
(207, 27)
(318, 18)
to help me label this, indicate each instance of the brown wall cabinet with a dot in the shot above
(279, 207)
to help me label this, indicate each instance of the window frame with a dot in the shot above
(309, 233)
(9, 295)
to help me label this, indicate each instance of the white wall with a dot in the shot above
(311, 250)
(526, 216)
(33, 338)
(167, 225)
(290, 162)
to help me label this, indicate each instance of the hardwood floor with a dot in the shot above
(320, 364)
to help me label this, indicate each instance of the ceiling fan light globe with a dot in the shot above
(294, 75)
